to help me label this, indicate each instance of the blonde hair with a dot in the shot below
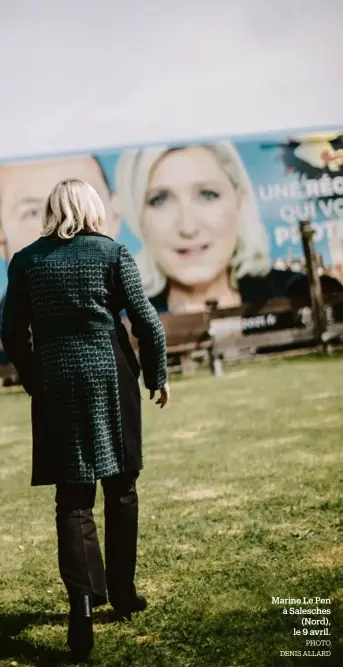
(251, 255)
(72, 206)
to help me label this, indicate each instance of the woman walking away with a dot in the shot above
(68, 288)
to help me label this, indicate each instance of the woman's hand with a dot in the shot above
(164, 395)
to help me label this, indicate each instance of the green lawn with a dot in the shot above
(240, 500)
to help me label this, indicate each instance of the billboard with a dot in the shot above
(214, 219)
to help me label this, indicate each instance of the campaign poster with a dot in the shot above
(205, 220)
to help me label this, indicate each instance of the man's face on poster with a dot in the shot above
(25, 187)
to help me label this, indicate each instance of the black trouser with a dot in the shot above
(79, 554)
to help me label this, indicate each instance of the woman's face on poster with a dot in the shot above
(189, 218)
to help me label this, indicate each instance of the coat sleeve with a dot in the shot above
(15, 334)
(145, 323)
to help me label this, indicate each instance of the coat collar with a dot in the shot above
(83, 232)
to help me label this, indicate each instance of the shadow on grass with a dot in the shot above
(250, 639)
(16, 648)
(196, 635)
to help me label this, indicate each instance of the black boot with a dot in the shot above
(122, 614)
(121, 532)
(80, 631)
(79, 555)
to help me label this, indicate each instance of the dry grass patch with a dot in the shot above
(200, 492)
(328, 559)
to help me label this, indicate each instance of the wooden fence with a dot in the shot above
(191, 333)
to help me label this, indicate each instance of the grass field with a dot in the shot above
(240, 501)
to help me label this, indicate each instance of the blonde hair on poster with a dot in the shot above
(251, 255)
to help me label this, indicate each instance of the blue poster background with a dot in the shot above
(262, 157)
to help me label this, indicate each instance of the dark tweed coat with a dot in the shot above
(81, 373)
